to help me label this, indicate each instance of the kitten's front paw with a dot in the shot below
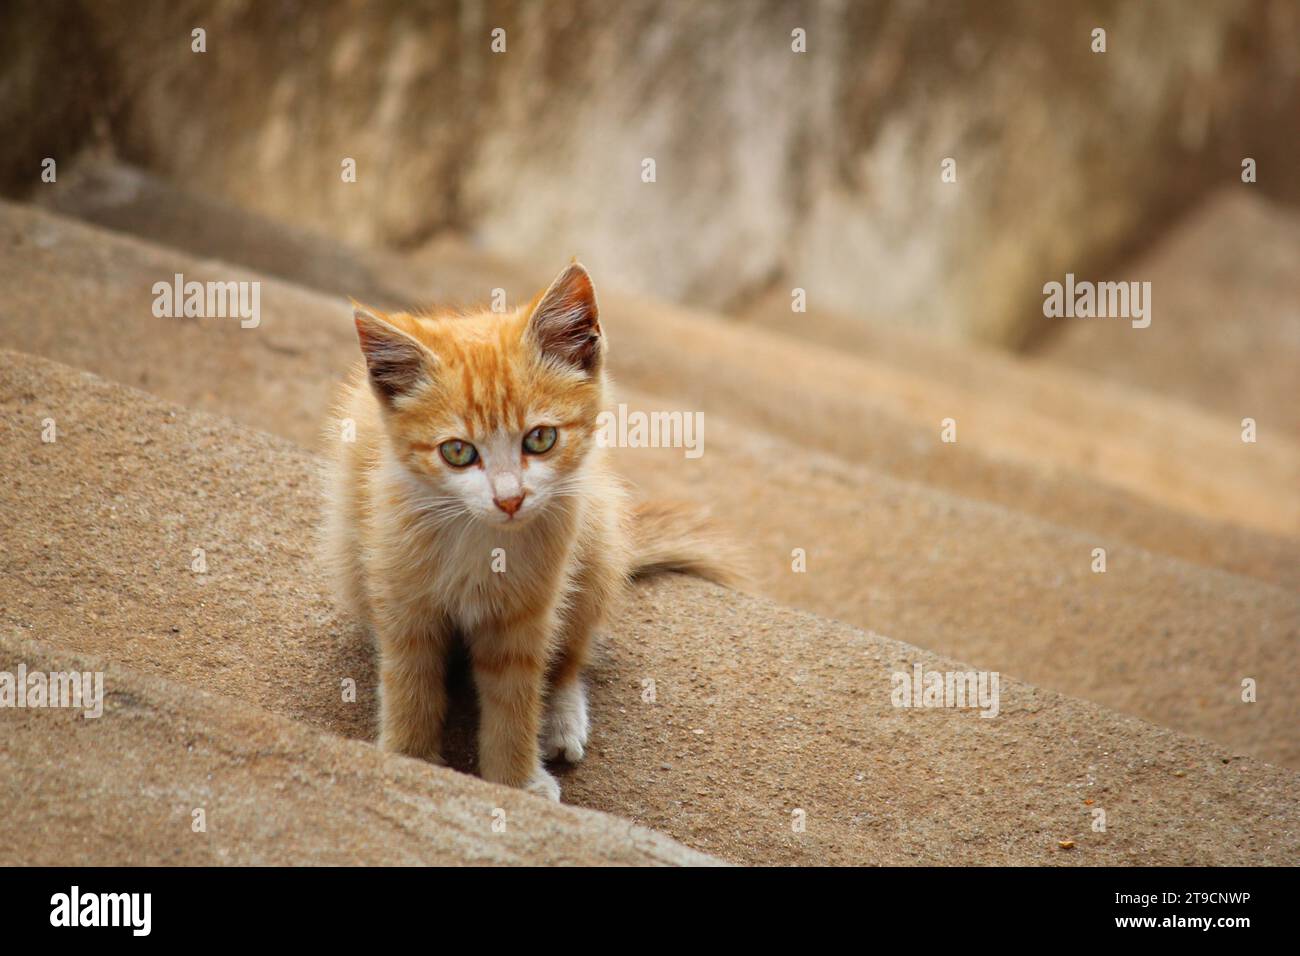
(544, 785)
(566, 725)
(390, 744)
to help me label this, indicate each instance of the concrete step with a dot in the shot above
(1152, 472)
(1226, 336)
(128, 200)
(274, 792)
(758, 710)
(1156, 637)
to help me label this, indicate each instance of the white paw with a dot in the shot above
(544, 785)
(566, 724)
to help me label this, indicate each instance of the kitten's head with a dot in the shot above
(494, 413)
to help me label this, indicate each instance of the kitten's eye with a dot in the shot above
(539, 440)
(457, 453)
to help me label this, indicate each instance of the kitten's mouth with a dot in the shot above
(513, 523)
(514, 520)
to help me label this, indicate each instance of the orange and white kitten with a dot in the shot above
(474, 502)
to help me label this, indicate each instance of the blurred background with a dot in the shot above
(773, 170)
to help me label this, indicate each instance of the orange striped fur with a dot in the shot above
(520, 553)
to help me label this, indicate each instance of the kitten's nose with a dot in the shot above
(509, 505)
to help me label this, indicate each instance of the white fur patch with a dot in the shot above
(566, 730)
(544, 785)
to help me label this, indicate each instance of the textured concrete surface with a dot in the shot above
(1164, 639)
(716, 715)
(122, 789)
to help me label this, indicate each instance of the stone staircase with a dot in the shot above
(1121, 691)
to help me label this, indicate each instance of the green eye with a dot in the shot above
(540, 440)
(457, 453)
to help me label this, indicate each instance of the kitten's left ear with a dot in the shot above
(565, 323)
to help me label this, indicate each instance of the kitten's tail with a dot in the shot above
(671, 537)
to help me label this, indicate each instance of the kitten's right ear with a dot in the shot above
(398, 363)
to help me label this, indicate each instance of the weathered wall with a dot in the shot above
(774, 170)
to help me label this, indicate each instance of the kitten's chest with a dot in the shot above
(482, 578)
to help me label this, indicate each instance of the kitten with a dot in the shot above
(474, 502)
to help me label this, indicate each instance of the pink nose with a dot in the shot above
(509, 505)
